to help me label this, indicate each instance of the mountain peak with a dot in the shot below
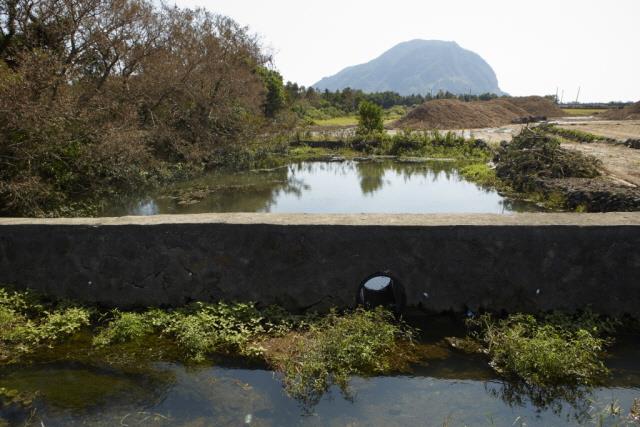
(419, 67)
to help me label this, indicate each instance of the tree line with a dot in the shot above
(103, 96)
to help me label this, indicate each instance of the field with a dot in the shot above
(583, 111)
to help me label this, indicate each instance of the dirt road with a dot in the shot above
(616, 129)
(619, 162)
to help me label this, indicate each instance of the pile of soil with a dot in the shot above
(455, 114)
(630, 112)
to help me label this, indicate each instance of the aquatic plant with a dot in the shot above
(482, 174)
(124, 327)
(338, 346)
(28, 324)
(554, 350)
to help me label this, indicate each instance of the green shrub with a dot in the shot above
(555, 350)
(338, 346)
(369, 118)
(124, 327)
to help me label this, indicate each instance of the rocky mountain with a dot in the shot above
(419, 67)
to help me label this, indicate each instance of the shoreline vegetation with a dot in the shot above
(172, 94)
(310, 351)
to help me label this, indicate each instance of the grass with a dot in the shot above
(482, 174)
(389, 116)
(338, 121)
(572, 134)
(583, 111)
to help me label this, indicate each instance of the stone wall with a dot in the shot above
(520, 262)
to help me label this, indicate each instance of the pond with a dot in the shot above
(372, 186)
(450, 389)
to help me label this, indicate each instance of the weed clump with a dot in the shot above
(338, 346)
(28, 324)
(534, 157)
(482, 174)
(555, 350)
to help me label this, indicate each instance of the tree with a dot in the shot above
(275, 98)
(369, 118)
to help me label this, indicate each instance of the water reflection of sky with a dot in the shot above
(217, 396)
(332, 187)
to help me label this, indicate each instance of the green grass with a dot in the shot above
(583, 111)
(482, 174)
(338, 121)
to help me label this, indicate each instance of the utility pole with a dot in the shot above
(578, 95)
(557, 94)
(562, 96)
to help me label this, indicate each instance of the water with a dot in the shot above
(451, 389)
(328, 187)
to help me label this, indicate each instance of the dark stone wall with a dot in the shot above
(443, 267)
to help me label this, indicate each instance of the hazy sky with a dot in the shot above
(533, 46)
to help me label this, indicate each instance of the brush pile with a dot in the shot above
(534, 156)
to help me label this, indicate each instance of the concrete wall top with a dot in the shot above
(426, 220)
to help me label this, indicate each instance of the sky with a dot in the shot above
(535, 47)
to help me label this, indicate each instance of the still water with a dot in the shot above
(449, 388)
(381, 186)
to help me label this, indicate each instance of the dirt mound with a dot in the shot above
(455, 114)
(630, 112)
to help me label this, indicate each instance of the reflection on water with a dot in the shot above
(451, 389)
(328, 187)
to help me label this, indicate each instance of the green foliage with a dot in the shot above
(124, 327)
(434, 144)
(556, 350)
(482, 174)
(275, 98)
(338, 346)
(204, 329)
(28, 324)
(369, 118)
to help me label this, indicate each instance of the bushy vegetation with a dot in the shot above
(533, 156)
(369, 118)
(482, 174)
(546, 352)
(339, 346)
(103, 97)
(28, 324)
(311, 351)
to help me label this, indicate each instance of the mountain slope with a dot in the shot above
(419, 67)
